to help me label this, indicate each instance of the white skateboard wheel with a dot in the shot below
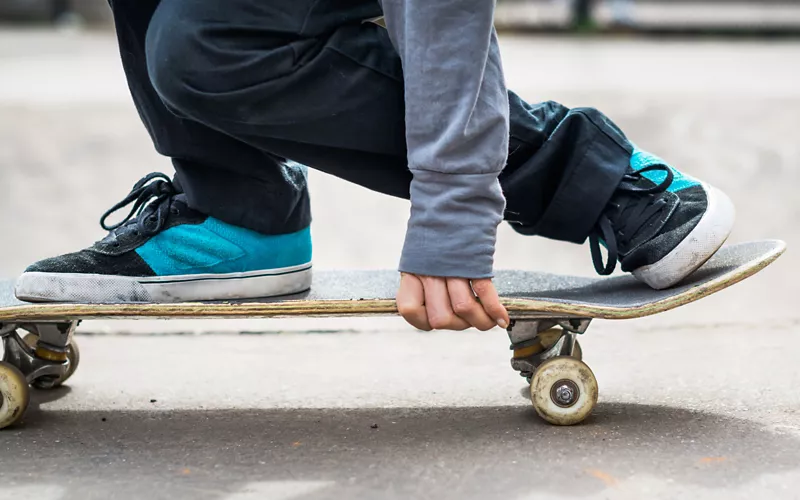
(14, 394)
(563, 391)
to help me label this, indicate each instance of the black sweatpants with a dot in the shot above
(232, 89)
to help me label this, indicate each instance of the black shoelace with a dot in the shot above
(622, 221)
(151, 198)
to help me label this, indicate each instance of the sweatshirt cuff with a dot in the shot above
(453, 226)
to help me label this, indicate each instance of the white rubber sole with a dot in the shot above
(700, 245)
(103, 289)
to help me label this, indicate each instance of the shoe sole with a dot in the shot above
(104, 289)
(699, 245)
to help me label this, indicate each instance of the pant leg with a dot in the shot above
(309, 81)
(563, 167)
(300, 79)
(221, 176)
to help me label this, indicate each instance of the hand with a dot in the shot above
(433, 303)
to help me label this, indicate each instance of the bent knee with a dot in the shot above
(174, 64)
(206, 75)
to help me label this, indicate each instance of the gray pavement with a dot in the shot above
(701, 402)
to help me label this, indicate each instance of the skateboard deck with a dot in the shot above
(363, 293)
(548, 313)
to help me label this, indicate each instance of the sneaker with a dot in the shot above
(661, 225)
(164, 251)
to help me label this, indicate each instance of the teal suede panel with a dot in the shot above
(216, 247)
(642, 159)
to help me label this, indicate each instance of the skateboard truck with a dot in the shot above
(546, 352)
(46, 356)
(534, 341)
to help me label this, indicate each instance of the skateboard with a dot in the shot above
(548, 313)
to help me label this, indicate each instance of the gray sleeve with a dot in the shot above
(456, 131)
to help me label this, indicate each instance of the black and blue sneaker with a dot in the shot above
(661, 225)
(164, 251)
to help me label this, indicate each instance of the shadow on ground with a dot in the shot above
(209, 454)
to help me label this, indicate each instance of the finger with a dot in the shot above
(486, 292)
(411, 302)
(437, 304)
(466, 306)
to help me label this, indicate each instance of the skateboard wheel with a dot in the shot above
(73, 359)
(563, 391)
(14, 394)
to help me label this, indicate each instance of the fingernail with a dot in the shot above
(502, 323)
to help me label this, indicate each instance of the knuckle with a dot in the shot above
(464, 307)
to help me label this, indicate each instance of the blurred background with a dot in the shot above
(763, 16)
(653, 16)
